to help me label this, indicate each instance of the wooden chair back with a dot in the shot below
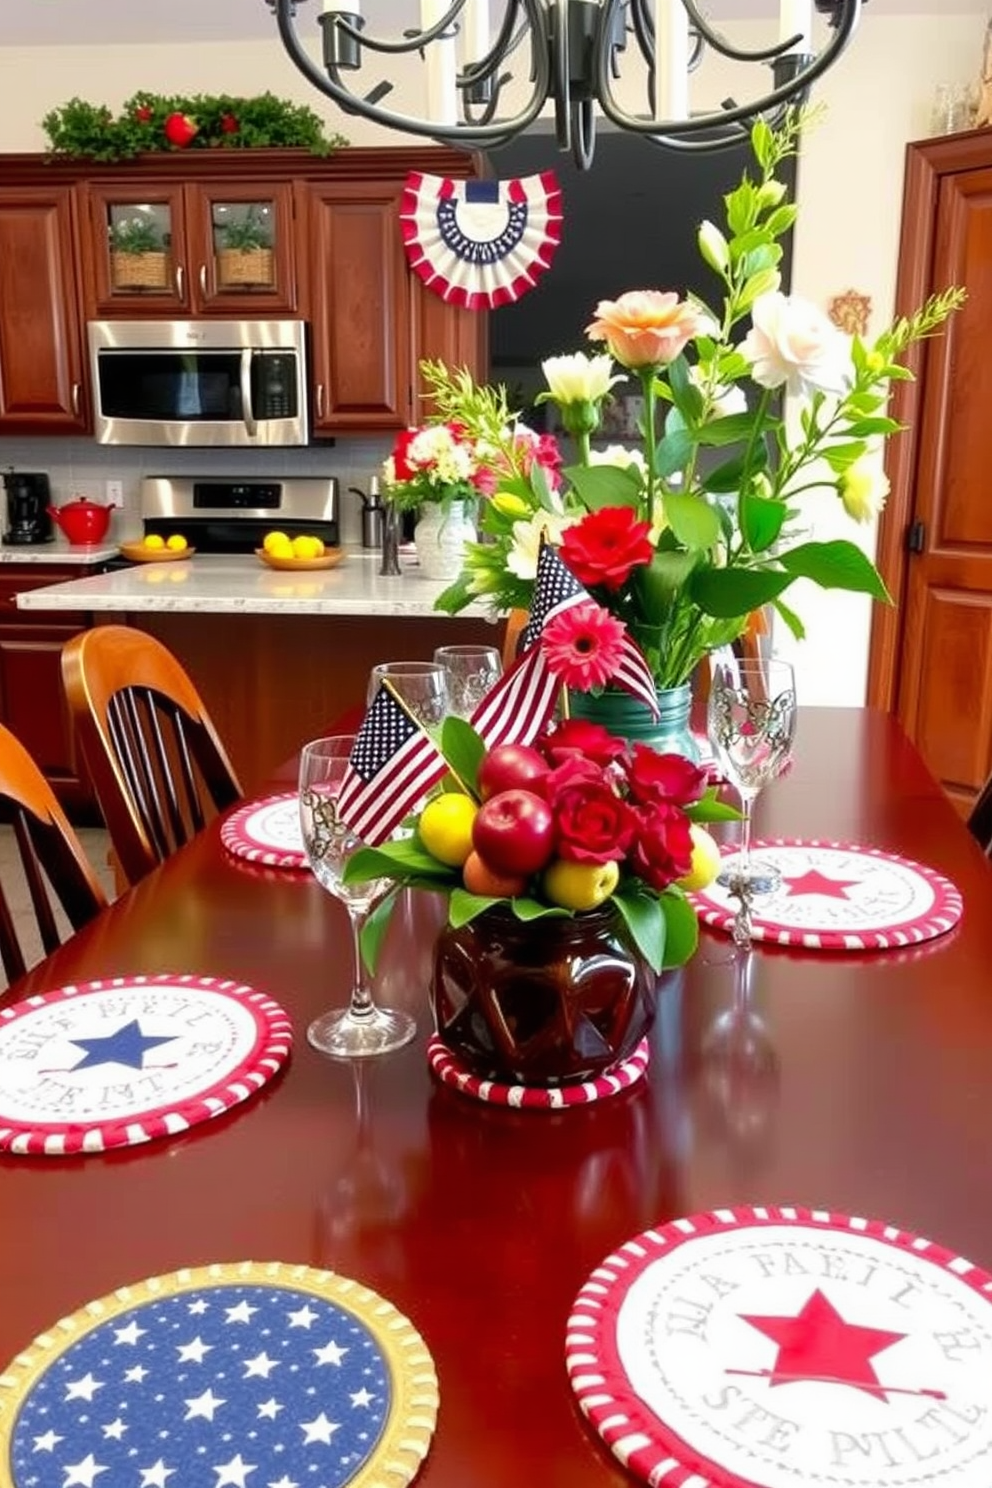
(157, 765)
(51, 856)
(980, 819)
(512, 631)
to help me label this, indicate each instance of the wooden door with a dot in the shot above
(41, 355)
(932, 658)
(446, 333)
(240, 237)
(362, 346)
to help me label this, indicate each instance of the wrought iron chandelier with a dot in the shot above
(574, 52)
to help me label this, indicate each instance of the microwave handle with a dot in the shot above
(247, 413)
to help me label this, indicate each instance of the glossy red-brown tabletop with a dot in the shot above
(864, 1086)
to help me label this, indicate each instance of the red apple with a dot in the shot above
(514, 833)
(511, 767)
(479, 878)
(180, 129)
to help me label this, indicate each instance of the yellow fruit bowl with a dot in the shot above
(136, 552)
(330, 559)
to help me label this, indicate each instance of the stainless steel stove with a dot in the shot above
(233, 515)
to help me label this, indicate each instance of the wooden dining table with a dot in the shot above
(861, 1082)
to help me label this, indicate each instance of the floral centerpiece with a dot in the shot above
(435, 470)
(683, 537)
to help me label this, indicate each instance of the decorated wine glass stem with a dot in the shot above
(742, 919)
(744, 851)
(361, 1005)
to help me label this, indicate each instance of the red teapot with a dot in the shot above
(84, 522)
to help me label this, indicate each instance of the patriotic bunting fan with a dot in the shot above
(481, 244)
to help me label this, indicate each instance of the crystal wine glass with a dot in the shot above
(751, 725)
(472, 672)
(421, 686)
(361, 1028)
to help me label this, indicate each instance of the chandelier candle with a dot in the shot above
(795, 18)
(671, 61)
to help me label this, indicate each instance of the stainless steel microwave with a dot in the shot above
(199, 382)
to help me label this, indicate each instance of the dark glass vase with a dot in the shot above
(544, 1003)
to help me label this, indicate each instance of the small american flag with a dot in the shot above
(521, 703)
(557, 590)
(392, 767)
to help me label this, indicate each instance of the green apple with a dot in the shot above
(580, 885)
(706, 861)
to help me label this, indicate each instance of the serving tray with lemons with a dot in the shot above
(156, 549)
(298, 553)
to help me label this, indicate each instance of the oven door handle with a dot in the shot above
(247, 412)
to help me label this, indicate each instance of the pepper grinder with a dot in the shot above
(390, 540)
(372, 514)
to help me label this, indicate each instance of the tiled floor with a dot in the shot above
(95, 844)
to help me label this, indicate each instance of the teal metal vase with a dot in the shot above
(630, 719)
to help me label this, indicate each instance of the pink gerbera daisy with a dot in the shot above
(584, 646)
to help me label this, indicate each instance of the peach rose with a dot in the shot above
(645, 328)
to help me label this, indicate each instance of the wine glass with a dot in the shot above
(421, 686)
(361, 1028)
(751, 724)
(472, 672)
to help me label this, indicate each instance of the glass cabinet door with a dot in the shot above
(137, 242)
(245, 258)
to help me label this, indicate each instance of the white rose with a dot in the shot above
(724, 400)
(579, 378)
(863, 488)
(792, 342)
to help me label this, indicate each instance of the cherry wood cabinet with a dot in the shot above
(32, 702)
(41, 336)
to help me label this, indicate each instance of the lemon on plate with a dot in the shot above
(274, 542)
(154, 541)
(306, 546)
(177, 543)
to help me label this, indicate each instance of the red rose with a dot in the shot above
(229, 124)
(180, 130)
(576, 736)
(594, 825)
(662, 850)
(664, 777)
(404, 470)
(143, 113)
(571, 771)
(606, 546)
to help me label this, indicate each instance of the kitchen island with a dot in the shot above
(276, 655)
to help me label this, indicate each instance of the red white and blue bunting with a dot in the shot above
(481, 244)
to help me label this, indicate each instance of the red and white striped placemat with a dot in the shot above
(773, 1347)
(267, 832)
(450, 1071)
(116, 1062)
(838, 896)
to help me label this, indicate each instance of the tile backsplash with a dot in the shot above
(79, 467)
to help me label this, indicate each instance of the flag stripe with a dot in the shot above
(521, 703)
(393, 765)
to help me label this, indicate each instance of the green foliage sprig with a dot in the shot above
(91, 131)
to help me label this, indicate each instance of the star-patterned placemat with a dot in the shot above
(115, 1062)
(267, 832)
(772, 1347)
(837, 896)
(245, 1375)
(451, 1071)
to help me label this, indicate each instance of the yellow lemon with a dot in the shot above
(705, 861)
(580, 885)
(281, 549)
(153, 540)
(177, 543)
(445, 828)
(273, 540)
(318, 547)
(302, 547)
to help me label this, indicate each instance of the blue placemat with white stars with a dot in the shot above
(229, 1376)
(120, 1061)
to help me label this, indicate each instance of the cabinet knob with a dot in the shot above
(74, 396)
(180, 281)
(320, 400)
(203, 279)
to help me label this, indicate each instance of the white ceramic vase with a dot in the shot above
(440, 537)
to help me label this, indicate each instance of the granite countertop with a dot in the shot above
(59, 551)
(231, 585)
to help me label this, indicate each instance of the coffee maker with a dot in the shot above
(28, 500)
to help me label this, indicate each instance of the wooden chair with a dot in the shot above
(51, 856)
(980, 819)
(515, 622)
(157, 765)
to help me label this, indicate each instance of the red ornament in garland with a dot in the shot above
(229, 124)
(180, 130)
(143, 114)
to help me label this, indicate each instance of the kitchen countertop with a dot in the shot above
(240, 584)
(59, 551)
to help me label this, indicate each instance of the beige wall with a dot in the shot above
(850, 191)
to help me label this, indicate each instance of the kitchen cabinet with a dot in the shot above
(32, 703)
(222, 248)
(41, 350)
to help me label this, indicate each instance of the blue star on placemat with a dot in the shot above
(221, 1387)
(127, 1045)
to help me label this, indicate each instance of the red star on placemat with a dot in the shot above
(818, 1346)
(815, 882)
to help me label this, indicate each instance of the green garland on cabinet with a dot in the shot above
(155, 122)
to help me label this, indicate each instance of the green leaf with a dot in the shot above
(693, 521)
(404, 860)
(604, 485)
(681, 927)
(527, 909)
(734, 429)
(673, 453)
(455, 597)
(725, 592)
(463, 906)
(709, 808)
(835, 565)
(657, 582)
(761, 521)
(374, 929)
(645, 919)
(686, 396)
(791, 619)
(868, 428)
(841, 457)
(463, 750)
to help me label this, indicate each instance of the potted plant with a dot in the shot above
(138, 255)
(244, 256)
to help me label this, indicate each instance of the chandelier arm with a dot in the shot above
(583, 124)
(458, 135)
(413, 41)
(504, 46)
(559, 80)
(643, 29)
(765, 54)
